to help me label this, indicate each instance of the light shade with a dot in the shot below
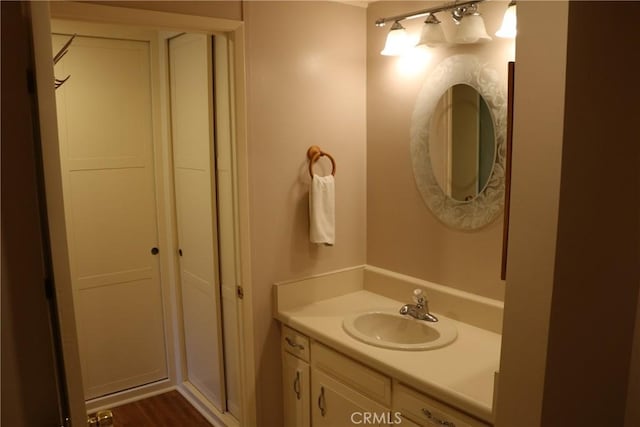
(472, 30)
(397, 41)
(432, 34)
(509, 22)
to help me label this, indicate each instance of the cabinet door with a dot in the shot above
(295, 385)
(336, 405)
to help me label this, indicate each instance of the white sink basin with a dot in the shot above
(393, 330)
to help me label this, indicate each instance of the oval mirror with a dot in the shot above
(462, 142)
(458, 132)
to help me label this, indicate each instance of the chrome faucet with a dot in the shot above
(419, 310)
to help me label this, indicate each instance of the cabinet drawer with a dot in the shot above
(295, 343)
(365, 380)
(427, 411)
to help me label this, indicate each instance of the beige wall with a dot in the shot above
(573, 275)
(597, 275)
(402, 234)
(306, 85)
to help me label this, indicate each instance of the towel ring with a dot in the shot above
(314, 153)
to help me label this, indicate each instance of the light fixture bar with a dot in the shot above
(418, 13)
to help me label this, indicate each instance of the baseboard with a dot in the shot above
(128, 396)
(202, 405)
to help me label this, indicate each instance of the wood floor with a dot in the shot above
(168, 409)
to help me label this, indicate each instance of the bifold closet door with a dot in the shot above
(106, 143)
(190, 60)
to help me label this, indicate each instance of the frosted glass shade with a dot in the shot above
(509, 22)
(472, 30)
(397, 41)
(432, 35)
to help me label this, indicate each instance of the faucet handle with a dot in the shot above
(418, 296)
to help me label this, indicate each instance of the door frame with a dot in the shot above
(41, 14)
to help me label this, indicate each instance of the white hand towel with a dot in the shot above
(322, 217)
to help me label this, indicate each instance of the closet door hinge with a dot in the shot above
(240, 292)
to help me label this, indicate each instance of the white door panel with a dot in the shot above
(105, 131)
(123, 337)
(110, 82)
(110, 210)
(195, 228)
(194, 176)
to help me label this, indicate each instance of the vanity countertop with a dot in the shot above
(460, 374)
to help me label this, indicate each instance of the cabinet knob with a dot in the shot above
(154, 251)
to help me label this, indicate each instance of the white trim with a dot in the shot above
(242, 234)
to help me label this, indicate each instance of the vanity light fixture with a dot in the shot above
(472, 31)
(432, 33)
(509, 22)
(471, 27)
(397, 41)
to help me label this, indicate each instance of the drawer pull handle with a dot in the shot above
(321, 402)
(435, 420)
(293, 344)
(296, 385)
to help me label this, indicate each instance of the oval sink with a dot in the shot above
(393, 330)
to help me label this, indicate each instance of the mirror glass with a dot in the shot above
(458, 133)
(462, 142)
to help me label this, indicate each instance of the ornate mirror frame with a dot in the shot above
(487, 205)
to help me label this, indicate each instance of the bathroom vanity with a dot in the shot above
(331, 378)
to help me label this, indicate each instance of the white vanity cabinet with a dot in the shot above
(324, 388)
(296, 378)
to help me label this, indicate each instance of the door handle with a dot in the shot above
(435, 420)
(154, 251)
(296, 385)
(321, 402)
(293, 344)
